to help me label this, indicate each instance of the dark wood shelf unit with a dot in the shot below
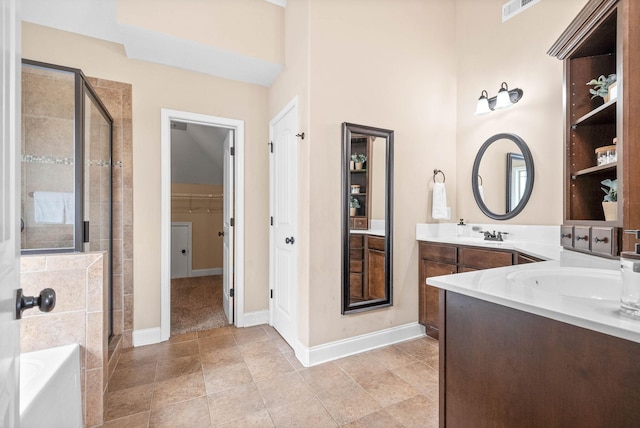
(606, 113)
(609, 168)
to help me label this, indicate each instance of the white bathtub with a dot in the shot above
(50, 394)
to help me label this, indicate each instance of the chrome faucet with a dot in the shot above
(493, 236)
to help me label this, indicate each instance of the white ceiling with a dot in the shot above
(98, 18)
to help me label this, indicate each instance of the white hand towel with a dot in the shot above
(69, 208)
(48, 207)
(481, 192)
(439, 208)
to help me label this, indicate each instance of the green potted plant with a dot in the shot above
(360, 160)
(610, 201)
(354, 204)
(602, 86)
(352, 162)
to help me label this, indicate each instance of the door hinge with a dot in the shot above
(271, 220)
(85, 232)
(232, 150)
(232, 292)
(231, 222)
(271, 146)
(271, 293)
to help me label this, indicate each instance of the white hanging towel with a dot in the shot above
(481, 192)
(69, 208)
(48, 207)
(439, 208)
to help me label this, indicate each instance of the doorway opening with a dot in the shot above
(202, 222)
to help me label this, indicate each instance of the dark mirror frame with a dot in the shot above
(528, 160)
(347, 130)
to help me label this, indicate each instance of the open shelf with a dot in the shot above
(606, 113)
(595, 170)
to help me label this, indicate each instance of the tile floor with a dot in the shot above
(249, 377)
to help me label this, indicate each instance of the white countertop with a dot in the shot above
(494, 285)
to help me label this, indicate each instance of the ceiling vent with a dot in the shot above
(514, 7)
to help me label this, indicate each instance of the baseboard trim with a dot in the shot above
(255, 318)
(354, 345)
(207, 272)
(147, 336)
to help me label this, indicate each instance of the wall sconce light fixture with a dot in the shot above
(504, 99)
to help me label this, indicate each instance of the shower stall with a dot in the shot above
(66, 194)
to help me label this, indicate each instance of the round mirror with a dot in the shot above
(502, 176)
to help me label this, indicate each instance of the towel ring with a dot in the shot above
(436, 172)
(480, 178)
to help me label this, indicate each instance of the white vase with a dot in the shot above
(352, 165)
(610, 211)
(352, 211)
(358, 166)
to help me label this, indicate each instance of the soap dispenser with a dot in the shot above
(461, 228)
(630, 266)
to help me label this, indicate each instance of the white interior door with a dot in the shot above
(180, 250)
(9, 215)
(283, 252)
(227, 250)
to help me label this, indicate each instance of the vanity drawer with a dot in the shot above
(438, 252)
(485, 259)
(355, 240)
(525, 258)
(356, 254)
(359, 223)
(375, 243)
(355, 285)
(582, 237)
(604, 240)
(566, 236)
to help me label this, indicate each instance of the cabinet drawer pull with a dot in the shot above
(565, 235)
(598, 240)
(582, 238)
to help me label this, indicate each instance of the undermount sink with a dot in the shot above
(597, 284)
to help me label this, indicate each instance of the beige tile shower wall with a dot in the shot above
(48, 143)
(79, 316)
(116, 98)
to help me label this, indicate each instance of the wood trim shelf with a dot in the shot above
(595, 170)
(606, 113)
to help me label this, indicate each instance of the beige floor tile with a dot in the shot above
(309, 414)
(177, 389)
(212, 343)
(138, 356)
(418, 412)
(128, 402)
(379, 419)
(419, 348)
(187, 414)
(180, 366)
(220, 331)
(325, 377)
(132, 375)
(218, 379)
(221, 357)
(259, 419)
(392, 357)
(295, 363)
(260, 348)
(139, 420)
(236, 403)
(348, 404)
(361, 367)
(170, 351)
(422, 377)
(284, 389)
(433, 361)
(250, 334)
(387, 389)
(266, 367)
(185, 337)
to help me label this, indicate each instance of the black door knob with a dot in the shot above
(220, 233)
(184, 251)
(46, 301)
(289, 240)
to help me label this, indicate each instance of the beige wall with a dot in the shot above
(156, 87)
(490, 52)
(250, 27)
(368, 64)
(205, 216)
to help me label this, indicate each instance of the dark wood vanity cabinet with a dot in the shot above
(366, 267)
(603, 39)
(356, 266)
(444, 259)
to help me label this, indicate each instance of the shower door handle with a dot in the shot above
(46, 301)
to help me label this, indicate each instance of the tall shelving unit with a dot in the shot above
(361, 144)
